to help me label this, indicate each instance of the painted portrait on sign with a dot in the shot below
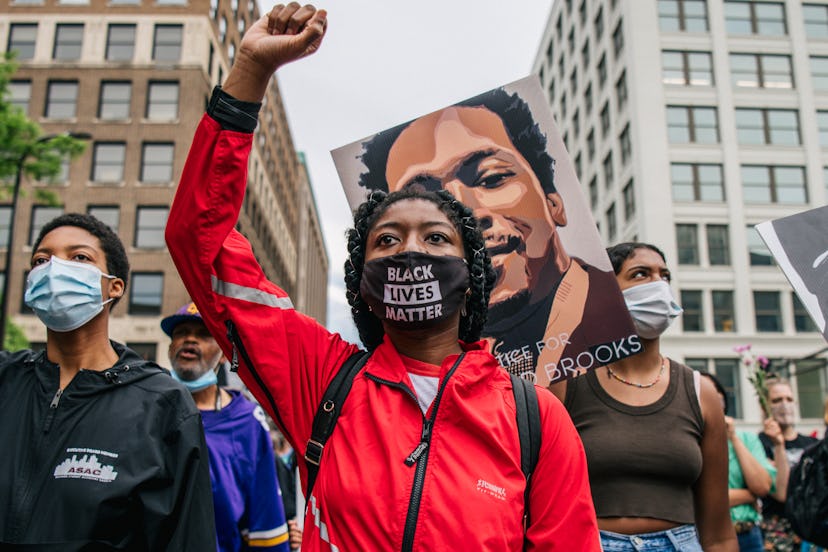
(799, 243)
(556, 309)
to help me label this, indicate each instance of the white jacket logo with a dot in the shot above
(491, 490)
(86, 467)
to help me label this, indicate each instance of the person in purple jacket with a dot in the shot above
(246, 495)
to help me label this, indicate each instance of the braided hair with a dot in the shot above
(481, 274)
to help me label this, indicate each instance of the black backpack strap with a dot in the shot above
(529, 432)
(328, 411)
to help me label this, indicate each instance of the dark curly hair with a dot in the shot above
(117, 263)
(620, 252)
(523, 131)
(481, 274)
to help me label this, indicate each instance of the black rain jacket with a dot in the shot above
(117, 461)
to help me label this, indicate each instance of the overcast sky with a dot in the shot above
(384, 62)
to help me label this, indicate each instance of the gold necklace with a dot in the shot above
(640, 385)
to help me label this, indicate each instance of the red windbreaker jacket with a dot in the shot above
(465, 492)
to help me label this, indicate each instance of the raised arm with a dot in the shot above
(286, 359)
(780, 458)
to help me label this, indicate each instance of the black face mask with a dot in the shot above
(414, 290)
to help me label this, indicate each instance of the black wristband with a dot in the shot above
(233, 114)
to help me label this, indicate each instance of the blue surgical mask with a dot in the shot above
(206, 380)
(65, 295)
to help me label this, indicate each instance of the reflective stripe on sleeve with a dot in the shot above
(253, 295)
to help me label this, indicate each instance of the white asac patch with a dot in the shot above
(86, 466)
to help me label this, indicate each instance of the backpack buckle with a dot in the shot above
(313, 452)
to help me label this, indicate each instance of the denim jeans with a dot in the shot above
(751, 541)
(680, 539)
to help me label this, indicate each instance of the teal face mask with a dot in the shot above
(209, 378)
(65, 295)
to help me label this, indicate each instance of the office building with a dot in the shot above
(136, 75)
(688, 122)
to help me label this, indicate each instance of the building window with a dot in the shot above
(120, 42)
(758, 252)
(563, 105)
(162, 101)
(19, 94)
(693, 316)
(621, 91)
(612, 225)
(582, 12)
(761, 71)
(576, 124)
(108, 162)
(605, 120)
(571, 40)
(687, 239)
(689, 124)
(157, 163)
(718, 245)
(599, 23)
(625, 144)
(115, 100)
(149, 227)
(107, 214)
(618, 39)
(5, 218)
(727, 372)
(62, 175)
(629, 201)
(146, 293)
(682, 15)
(147, 351)
(593, 192)
(816, 20)
(767, 311)
(724, 313)
(573, 81)
(222, 24)
(822, 123)
(802, 320)
(68, 42)
(686, 68)
(62, 100)
(819, 72)
(602, 70)
(22, 38)
(41, 214)
(588, 99)
(585, 55)
(811, 386)
(578, 165)
(166, 44)
(749, 17)
(609, 172)
(774, 184)
(590, 142)
(779, 127)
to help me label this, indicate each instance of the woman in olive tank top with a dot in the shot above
(653, 431)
